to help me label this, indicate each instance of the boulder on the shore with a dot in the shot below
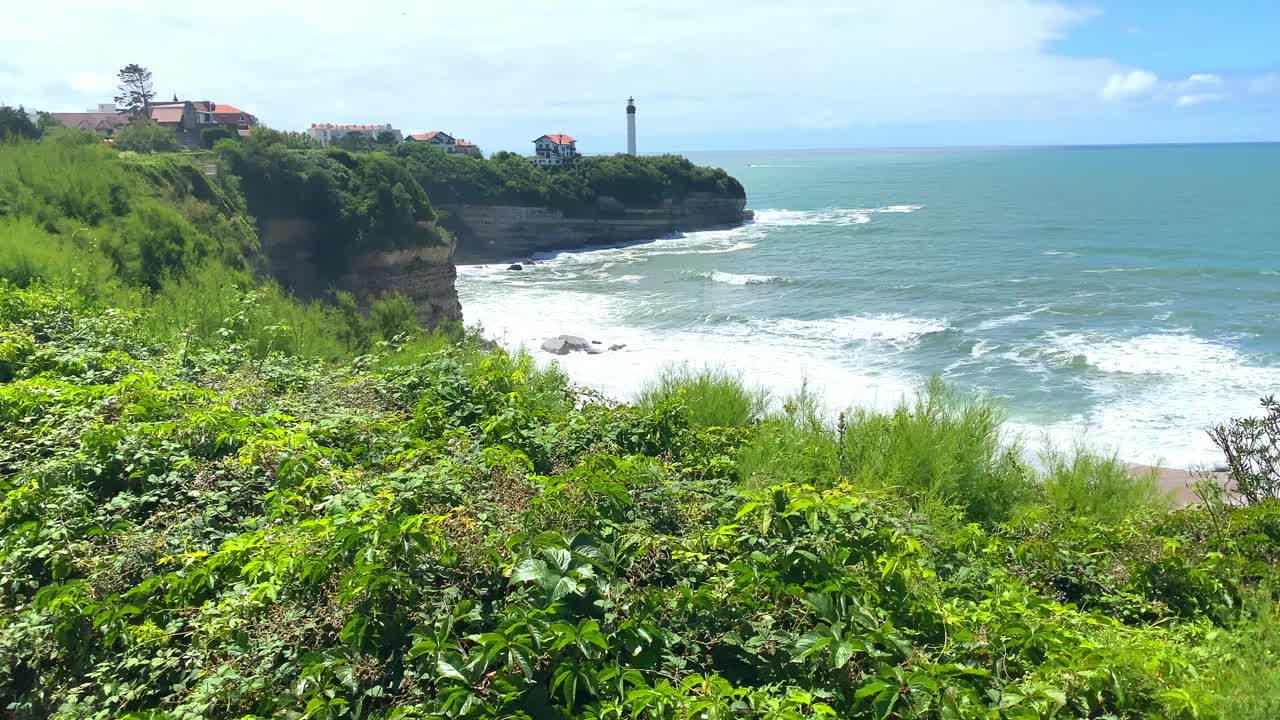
(515, 266)
(565, 344)
(617, 346)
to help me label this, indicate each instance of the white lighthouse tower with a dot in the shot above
(631, 126)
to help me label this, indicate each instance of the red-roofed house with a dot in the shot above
(466, 147)
(555, 150)
(439, 138)
(231, 116)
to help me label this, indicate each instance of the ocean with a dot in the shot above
(1120, 297)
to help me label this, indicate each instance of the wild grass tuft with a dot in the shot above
(943, 446)
(1083, 482)
(715, 397)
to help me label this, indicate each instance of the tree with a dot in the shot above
(209, 136)
(15, 123)
(46, 122)
(355, 142)
(135, 89)
(386, 138)
(144, 136)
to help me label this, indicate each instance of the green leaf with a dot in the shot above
(843, 652)
(810, 643)
(559, 558)
(871, 688)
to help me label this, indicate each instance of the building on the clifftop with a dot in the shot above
(631, 126)
(439, 138)
(555, 150)
(446, 142)
(102, 120)
(328, 134)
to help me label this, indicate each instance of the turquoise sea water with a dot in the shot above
(1128, 296)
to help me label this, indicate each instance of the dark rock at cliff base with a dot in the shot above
(565, 344)
(515, 266)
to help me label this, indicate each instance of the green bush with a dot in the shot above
(144, 136)
(508, 178)
(211, 136)
(941, 446)
(1103, 487)
(714, 397)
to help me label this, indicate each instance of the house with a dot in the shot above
(446, 142)
(554, 150)
(103, 120)
(327, 134)
(184, 117)
(233, 117)
(441, 139)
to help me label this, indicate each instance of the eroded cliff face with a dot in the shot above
(424, 275)
(491, 233)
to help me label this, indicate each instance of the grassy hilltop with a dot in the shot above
(218, 502)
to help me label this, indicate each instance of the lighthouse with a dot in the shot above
(631, 126)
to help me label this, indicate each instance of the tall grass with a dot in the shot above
(715, 397)
(1242, 681)
(942, 446)
(793, 445)
(1101, 486)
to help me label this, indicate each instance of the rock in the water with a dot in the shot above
(564, 344)
(596, 342)
(515, 266)
(556, 346)
(617, 346)
(594, 351)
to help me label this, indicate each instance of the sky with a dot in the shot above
(706, 74)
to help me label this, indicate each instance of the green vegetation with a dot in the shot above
(15, 124)
(143, 135)
(507, 178)
(349, 203)
(438, 528)
(219, 502)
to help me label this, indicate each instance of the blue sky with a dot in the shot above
(716, 74)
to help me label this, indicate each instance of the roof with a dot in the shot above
(465, 143)
(220, 108)
(167, 114)
(330, 126)
(91, 120)
(559, 139)
(429, 136)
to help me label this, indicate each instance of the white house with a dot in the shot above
(441, 139)
(327, 134)
(554, 150)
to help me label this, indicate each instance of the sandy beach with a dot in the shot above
(1178, 482)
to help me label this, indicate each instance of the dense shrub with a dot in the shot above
(208, 527)
(145, 136)
(349, 203)
(638, 182)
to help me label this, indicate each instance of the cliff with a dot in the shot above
(492, 233)
(425, 275)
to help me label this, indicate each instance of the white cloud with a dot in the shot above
(1198, 99)
(500, 72)
(1124, 86)
(90, 82)
(1204, 79)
